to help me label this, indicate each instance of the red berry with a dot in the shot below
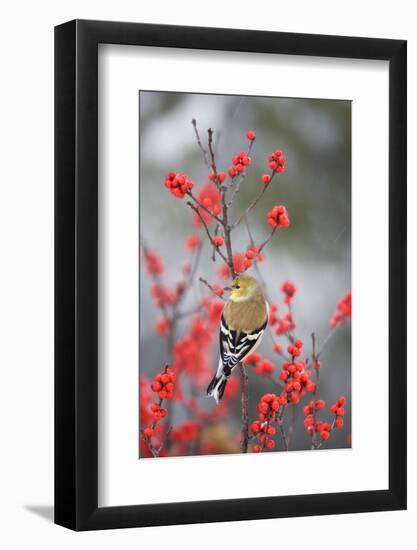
(221, 176)
(247, 263)
(232, 172)
(219, 291)
(156, 386)
(250, 254)
(309, 420)
(324, 434)
(254, 427)
(148, 432)
(277, 348)
(320, 404)
(338, 422)
(212, 176)
(306, 410)
(298, 344)
(218, 240)
(340, 411)
(310, 386)
(266, 179)
(295, 398)
(275, 405)
(250, 134)
(270, 444)
(256, 449)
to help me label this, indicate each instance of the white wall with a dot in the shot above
(26, 291)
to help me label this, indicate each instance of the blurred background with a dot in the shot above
(314, 252)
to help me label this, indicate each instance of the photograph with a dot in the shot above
(245, 274)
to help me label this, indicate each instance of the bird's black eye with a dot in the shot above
(237, 286)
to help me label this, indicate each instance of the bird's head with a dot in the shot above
(244, 287)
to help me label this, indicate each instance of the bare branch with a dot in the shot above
(203, 150)
(211, 288)
(189, 193)
(211, 151)
(203, 221)
(254, 202)
(244, 441)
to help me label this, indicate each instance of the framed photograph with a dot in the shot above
(222, 197)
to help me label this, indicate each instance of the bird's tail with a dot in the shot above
(217, 385)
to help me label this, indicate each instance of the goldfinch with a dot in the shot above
(243, 322)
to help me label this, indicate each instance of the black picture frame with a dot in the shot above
(76, 272)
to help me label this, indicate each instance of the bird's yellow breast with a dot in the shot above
(246, 316)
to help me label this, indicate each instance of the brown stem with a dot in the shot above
(212, 157)
(203, 221)
(198, 203)
(281, 427)
(244, 441)
(197, 135)
(211, 288)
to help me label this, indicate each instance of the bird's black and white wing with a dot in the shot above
(235, 346)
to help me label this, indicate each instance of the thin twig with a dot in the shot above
(253, 203)
(203, 221)
(212, 156)
(326, 341)
(208, 285)
(244, 441)
(200, 205)
(203, 150)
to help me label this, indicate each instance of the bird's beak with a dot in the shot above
(227, 288)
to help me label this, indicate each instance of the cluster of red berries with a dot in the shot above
(296, 377)
(338, 410)
(240, 162)
(313, 426)
(163, 383)
(276, 161)
(178, 184)
(268, 408)
(323, 429)
(295, 350)
(217, 178)
(283, 324)
(158, 411)
(262, 366)
(289, 289)
(253, 254)
(343, 311)
(153, 263)
(278, 216)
